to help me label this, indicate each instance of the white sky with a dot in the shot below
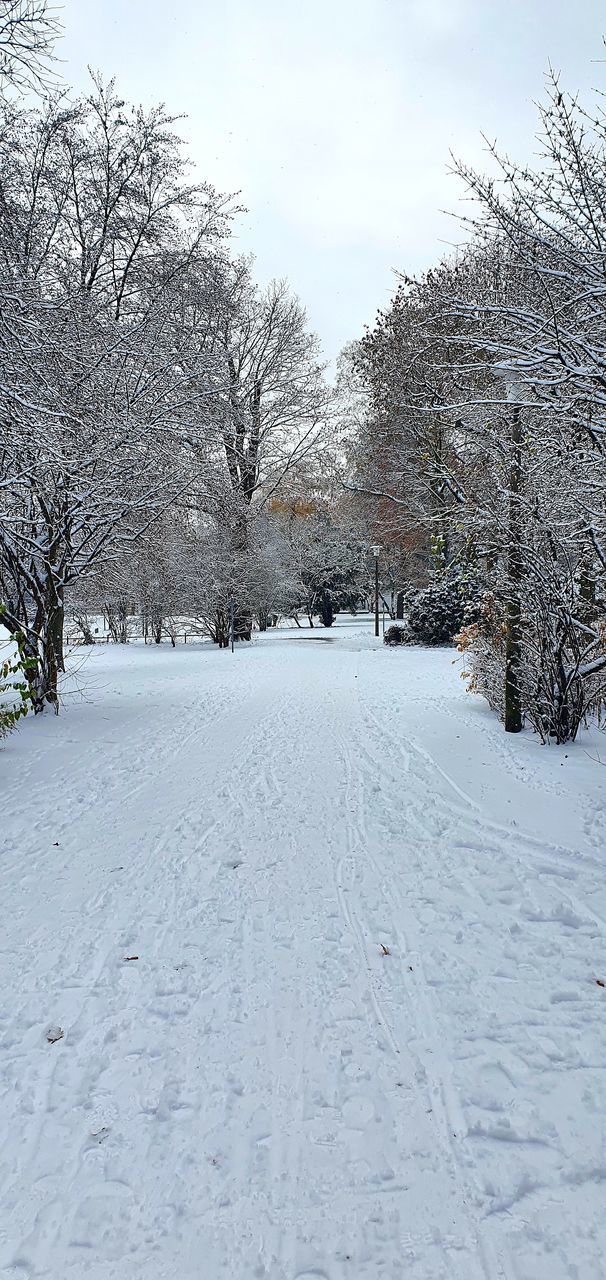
(335, 118)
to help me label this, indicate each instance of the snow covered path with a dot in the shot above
(262, 1091)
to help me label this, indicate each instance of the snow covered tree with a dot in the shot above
(277, 405)
(97, 224)
(484, 427)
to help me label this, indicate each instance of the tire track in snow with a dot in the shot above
(439, 1093)
(496, 1261)
(115, 902)
(463, 834)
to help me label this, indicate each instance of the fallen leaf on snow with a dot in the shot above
(600, 982)
(131, 957)
(385, 950)
(99, 1135)
(54, 1033)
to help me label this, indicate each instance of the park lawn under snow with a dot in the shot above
(324, 947)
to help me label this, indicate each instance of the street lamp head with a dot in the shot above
(510, 374)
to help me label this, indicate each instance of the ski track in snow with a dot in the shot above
(263, 1093)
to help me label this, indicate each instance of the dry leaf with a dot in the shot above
(54, 1033)
(600, 982)
(385, 950)
(131, 957)
(99, 1135)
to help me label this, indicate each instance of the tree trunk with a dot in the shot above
(56, 627)
(325, 609)
(28, 640)
(50, 664)
(123, 622)
(513, 608)
(83, 623)
(220, 631)
(51, 632)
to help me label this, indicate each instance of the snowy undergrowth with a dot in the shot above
(324, 947)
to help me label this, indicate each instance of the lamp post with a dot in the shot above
(375, 551)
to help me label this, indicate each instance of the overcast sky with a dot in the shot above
(335, 118)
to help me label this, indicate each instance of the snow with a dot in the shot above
(323, 945)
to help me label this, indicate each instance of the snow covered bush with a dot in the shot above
(436, 613)
(481, 641)
(560, 673)
(15, 693)
(563, 660)
(396, 635)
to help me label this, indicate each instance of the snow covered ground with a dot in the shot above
(324, 946)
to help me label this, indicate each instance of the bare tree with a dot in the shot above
(28, 31)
